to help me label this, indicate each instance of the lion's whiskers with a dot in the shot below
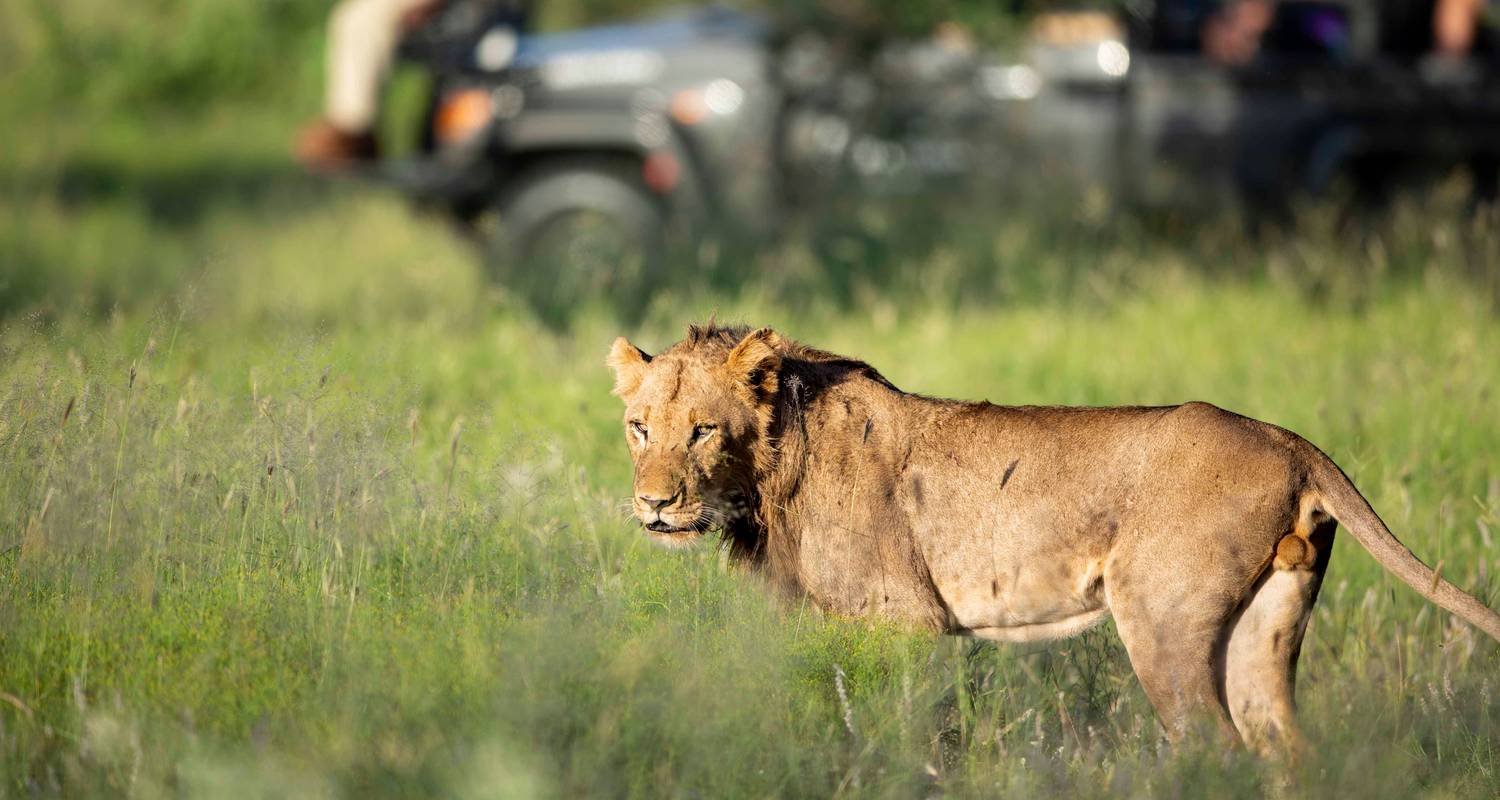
(625, 508)
(708, 518)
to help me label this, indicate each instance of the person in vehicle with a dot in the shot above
(362, 40)
(1232, 32)
(1443, 28)
(1232, 35)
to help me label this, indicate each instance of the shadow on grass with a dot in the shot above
(133, 230)
(94, 232)
(182, 194)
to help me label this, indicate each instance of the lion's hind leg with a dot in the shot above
(1174, 643)
(1265, 639)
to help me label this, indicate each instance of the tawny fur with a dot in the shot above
(1203, 533)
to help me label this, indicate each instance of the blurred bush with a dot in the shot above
(157, 53)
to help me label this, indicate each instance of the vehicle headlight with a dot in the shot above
(1113, 58)
(462, 115)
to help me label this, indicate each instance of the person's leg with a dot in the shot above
(362, 40)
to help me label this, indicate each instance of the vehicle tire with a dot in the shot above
(578, 229)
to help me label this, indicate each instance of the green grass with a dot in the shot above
(293, 502)
(351, 526)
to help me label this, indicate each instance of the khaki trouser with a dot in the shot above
(362, 39)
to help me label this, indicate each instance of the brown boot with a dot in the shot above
(320, 147)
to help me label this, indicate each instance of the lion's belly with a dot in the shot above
(1024, 603)
(1027, 560)
(1016, 579)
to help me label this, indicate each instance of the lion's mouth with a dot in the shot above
(680, 528)
(662, 526)
(674, 536)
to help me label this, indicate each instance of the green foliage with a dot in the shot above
(164, 53)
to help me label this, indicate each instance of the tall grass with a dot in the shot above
(264, 543)
(294, 502)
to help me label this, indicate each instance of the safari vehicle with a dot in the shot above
(1326, 103)
(578, 157)
(1132, 104)
(575, 155)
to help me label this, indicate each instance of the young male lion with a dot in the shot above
(1203, 533)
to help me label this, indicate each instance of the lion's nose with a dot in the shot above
(654, 502)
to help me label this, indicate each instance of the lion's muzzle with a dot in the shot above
(666, 511)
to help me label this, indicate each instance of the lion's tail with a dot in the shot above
(1341, 500)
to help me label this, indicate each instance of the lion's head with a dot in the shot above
(695, 416)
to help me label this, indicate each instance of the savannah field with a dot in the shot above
(294, 502)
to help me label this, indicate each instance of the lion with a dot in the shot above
(1203, 533)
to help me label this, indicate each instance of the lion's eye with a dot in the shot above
(701, 432)
(639, 429)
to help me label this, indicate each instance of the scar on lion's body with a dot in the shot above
(1009, 471)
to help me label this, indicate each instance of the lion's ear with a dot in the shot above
(756, 361)
(629, 363)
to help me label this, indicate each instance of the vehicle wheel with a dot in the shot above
(573, 230)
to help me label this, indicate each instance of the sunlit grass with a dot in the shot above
(335, 518)
(295, 502)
